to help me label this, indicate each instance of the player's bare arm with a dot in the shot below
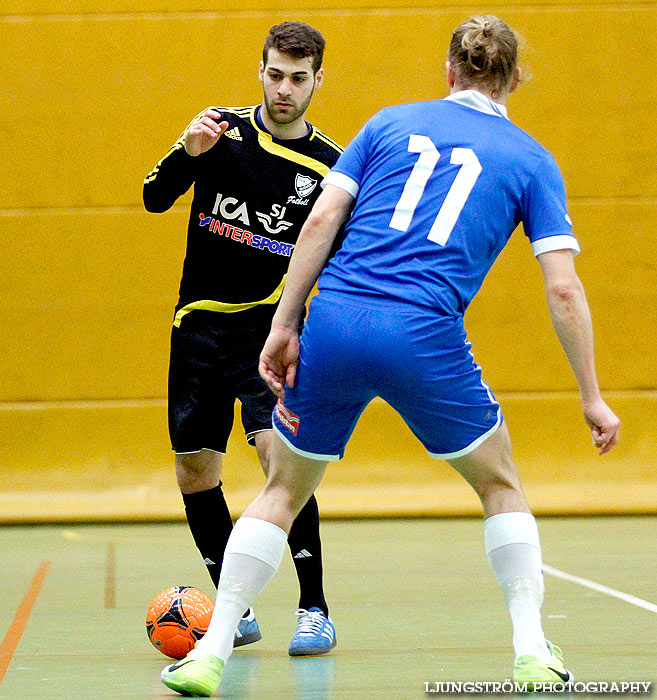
(279, 358)
(311, 252)
(571, 319)
(203, 133)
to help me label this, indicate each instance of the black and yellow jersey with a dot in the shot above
(252, 194)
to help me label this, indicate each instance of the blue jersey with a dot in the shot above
(440, 187)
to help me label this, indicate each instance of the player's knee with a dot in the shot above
(197, 471)
(291, 497)
(496, 480)
(501, 492)
(191, 463)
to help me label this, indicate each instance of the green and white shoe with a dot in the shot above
(196, 675)
(530, 669)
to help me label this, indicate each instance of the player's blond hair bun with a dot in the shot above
(484, 52)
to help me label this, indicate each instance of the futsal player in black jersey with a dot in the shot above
(256, 174)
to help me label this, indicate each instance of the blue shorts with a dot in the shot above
(421, 364)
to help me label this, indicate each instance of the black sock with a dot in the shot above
(210, 523)
(306, 551)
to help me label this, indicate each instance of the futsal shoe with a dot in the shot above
(531, 670)
(248, 630)
(197, 674)
(315, 634)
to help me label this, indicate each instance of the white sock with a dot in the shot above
(252, 557)
(514, 553)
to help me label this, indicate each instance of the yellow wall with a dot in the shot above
(91, 99)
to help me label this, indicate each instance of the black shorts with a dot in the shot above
(214, 361)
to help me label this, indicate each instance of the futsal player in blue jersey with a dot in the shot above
(434, 191)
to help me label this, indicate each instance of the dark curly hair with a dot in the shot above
(298, 39)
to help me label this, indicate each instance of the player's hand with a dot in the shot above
(279, 359)
(202, 134)
(604, 424)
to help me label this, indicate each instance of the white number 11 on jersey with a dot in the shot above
(414, 188)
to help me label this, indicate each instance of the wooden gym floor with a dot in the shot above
(413, 602)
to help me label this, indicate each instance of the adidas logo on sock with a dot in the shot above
(303, 554)
(234, 133)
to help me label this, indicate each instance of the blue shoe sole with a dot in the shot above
(311, 651)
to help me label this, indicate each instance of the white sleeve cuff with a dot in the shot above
(562, 242)
(344, 182)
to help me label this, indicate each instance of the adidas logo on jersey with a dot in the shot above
(234, 134)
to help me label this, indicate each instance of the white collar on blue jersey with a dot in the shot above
(476, 100)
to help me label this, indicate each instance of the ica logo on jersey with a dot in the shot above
(226, 207)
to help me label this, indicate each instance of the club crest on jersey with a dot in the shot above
(288, 419)
(304, 185)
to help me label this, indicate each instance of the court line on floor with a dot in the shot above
(110, 576)
(18, 624)
(633, 600)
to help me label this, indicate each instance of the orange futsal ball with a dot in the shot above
(177, 619)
